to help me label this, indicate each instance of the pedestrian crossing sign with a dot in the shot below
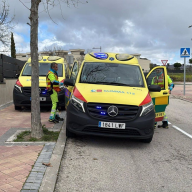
(185, 52)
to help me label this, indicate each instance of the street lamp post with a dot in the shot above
(97, 48)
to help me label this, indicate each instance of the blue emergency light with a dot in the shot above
(103, 113)
(98, 107)
(101, 55)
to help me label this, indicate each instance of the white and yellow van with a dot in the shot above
(22, 88)
(109, 96)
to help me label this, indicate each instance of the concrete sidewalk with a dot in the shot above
(17, 160)
(178, 91)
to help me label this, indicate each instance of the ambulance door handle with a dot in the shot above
(165, 93)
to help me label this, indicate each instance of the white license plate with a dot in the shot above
(111, 125)
(42, 98)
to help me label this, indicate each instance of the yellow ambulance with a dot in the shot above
(110, 96)
(22, 88)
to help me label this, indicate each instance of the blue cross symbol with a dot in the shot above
(111, 58)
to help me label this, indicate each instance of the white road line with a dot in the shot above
(190, 136)
(185, 133)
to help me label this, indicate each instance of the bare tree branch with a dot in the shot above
(24, 5)
(5, 24)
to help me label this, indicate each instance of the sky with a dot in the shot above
(156, 29)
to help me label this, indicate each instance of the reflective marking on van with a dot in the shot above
(116, 91)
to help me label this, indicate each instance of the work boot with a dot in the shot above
(53, 121)
(155, 125)
(58, 118)
(164, 125)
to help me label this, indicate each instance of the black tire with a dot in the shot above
(69, 134)
(147, 140)
(17, 107)
(63, 108)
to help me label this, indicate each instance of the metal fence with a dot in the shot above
(9, 67)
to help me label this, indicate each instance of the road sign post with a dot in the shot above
(184, 52)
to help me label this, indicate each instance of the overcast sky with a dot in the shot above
(156, 29)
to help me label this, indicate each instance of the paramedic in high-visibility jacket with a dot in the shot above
(159, 80)
(53, 87)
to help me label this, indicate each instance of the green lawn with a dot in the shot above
(180, 77)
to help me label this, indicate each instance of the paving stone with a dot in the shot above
(35, 186)
(27, 186)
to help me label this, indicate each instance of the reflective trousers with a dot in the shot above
(54, 109)
(165, 118)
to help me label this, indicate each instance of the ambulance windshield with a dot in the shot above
(111, 73)
(43, 69)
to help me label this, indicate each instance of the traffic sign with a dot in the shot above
(164, 62)
(185, 52)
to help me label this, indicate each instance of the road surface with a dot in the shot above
(96, 164)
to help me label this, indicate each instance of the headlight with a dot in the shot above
(18, 88)
(147, 108)
(77, 103)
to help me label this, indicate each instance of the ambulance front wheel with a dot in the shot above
(17, 107)
(147, 140)
(69, 134)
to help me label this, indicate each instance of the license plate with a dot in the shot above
(161, 114)
(111, 125)
(41, 98)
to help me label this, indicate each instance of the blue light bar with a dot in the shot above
(101, 55)
(43, 92)
(103, 113)
(98, 107)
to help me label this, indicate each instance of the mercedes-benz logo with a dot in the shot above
(39, 90)
(112, 111)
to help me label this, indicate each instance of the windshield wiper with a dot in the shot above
(114, 83)
(105, 83)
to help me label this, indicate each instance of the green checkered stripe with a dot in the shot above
(159, 108)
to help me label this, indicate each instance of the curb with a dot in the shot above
(50, 176)
(6, 105)
(181, 98)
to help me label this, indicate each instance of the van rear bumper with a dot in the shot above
(81, 123)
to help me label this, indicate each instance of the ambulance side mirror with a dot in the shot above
(154, 88)
(69, 82)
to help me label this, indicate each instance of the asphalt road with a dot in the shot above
(94, 164)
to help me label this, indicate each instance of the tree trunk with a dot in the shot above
(36, 127)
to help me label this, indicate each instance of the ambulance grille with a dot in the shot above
(99, 111)
(27, 91)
